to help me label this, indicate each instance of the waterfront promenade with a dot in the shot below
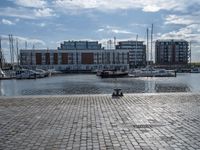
(135, 121)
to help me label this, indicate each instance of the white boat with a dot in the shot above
(195, 70)
(26, 74)
(152, 72)
(41, 73)
(2, 74)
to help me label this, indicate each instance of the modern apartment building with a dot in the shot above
(137, 52)
(76, 55)
(171, 52)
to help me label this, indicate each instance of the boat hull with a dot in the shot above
(111, 74)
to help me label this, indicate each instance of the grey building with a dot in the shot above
(171, 52)
(80, 45)
(137, 52)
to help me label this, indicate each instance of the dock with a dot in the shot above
(82, 122)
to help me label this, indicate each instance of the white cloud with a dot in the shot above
(30, 40)
(147, 5)
(111, 29)
(120, 31)
(17, 12)
(44, 12)
(31, 3)
(22, 40)
(26, 13)
(42, 24)
(182, 20)
(190, 33)
(7, 22)
(151, 8)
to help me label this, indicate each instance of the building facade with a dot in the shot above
(137, 52)
(171, 52)
(76, 55)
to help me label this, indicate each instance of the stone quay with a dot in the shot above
(81, 122)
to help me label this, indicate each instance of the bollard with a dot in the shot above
(117, 93)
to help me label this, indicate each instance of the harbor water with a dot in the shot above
(91, 84)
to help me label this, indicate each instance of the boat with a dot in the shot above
(195, 70)
(41, 73)
(152, 72)
(2, 74)
(112, 73)
(26, 74)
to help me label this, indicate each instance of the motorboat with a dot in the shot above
(112, 73)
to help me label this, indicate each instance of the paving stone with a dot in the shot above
(134, 121)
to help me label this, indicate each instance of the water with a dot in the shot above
(91, 84)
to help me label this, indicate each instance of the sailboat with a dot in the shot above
(150, 71)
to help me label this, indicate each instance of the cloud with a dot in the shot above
(17, 12)
(42, 24)
(190, 33)
(147, 5)
(31, 3)
(111, 29)
(7, 22)
(44, 12)
(182, 20)
(22, 40)
(26, 13)
(30, 40)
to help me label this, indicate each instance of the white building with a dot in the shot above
(137, 52)
(72, 60)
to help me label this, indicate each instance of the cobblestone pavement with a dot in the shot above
(140, 121)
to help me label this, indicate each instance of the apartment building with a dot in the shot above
(171, 52)
(76, 55)
(137, 52)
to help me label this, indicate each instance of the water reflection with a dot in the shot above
(91, 84)
(164, 87)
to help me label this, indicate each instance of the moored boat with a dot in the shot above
(152, 72)
(112, 73)
(195, 70)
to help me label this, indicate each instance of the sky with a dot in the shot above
(47, 23)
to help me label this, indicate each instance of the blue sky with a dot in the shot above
(46, 23)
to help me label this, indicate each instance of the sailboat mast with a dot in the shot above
(17, 45)
(147, 45)
(151, 41)
(1, 55)
(136, 49)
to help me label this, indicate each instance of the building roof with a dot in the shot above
(170, 40)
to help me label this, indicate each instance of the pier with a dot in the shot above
(134, 121)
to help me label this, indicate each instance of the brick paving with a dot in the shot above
(140, 121)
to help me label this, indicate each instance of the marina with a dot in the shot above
(99, 75)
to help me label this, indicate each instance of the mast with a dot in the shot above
(147, 45)
(151, 42)
(17, 45)
(114, 42)
(11, 50)
(26, 45)
(1, 55)
(136, 48)
(190, 54)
